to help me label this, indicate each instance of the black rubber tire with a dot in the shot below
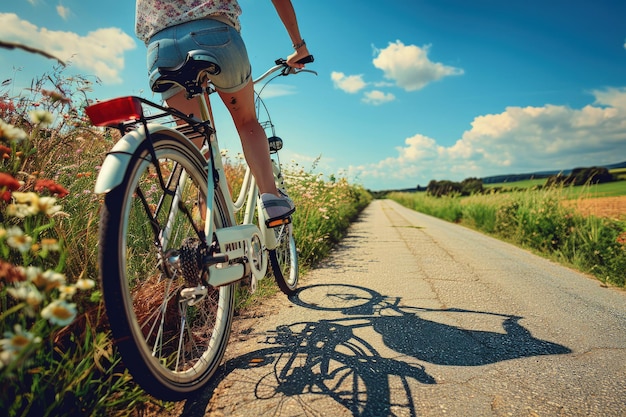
(284, 260)
(143, 305)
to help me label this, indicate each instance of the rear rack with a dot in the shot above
(124, 113)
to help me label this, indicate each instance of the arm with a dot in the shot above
(287, 15)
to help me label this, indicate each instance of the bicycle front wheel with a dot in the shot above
(284, 260)
(170, 329)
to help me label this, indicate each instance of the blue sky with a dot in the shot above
(408, 91)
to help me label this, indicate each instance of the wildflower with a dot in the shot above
(26, 204)
(26, 291)
(5, 152)
(10, 133)
(50, 245)
(7, 107)
(19, 210)
(51, 186)
(45, 281)
(25, 198)
(7, 357)
(10, 273)
(41, 117)
(59, 312)
(67, 291)
(18, 240)
(18, 340)
(56, 96)
(30, 204)
(46, 205)
(85, 284)
(7, 184)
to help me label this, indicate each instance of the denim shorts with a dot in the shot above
(169, 47)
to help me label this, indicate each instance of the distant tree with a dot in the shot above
(468, 186)
(471, 186)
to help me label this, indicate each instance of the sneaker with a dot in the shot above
(276, 209)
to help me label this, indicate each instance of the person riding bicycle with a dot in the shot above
(172, 28)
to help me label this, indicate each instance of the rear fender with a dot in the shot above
(116, 162)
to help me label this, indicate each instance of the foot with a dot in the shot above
(276, 209)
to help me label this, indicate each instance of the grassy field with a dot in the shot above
(524, 184)
(611, 189)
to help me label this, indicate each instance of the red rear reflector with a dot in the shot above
(115, 111)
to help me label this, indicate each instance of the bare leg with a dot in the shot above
(253, 138)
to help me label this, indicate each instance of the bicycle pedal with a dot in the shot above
(278, 222)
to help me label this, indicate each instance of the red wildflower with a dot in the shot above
(5, 152)
(10, 273)
(51, 186)
(7, 184)
(622, 239)
(7, 107)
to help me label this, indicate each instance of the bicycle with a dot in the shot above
(171, 252)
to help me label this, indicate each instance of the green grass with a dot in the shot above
(610, 189)
(524, 184)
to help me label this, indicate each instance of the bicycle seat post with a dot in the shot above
(205, 107)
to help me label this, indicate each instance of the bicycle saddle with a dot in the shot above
(188, 74)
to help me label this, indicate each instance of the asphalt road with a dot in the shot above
(413, 316)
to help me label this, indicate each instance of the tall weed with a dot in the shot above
(56, 357)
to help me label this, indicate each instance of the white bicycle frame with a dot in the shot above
(246, 236)
(243, 247)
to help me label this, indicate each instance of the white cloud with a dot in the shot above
(409, 66)
(518, 140)
(348, 83)
(277, 90)
(63, 11)
(101, 51)
(377, 97)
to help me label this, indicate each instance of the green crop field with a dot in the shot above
(611, 189)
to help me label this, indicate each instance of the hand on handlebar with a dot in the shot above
(300, 57)
(298, 66)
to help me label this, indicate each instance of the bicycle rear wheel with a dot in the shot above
(171, 331)
(284, 260)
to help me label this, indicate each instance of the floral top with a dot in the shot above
(154, 15)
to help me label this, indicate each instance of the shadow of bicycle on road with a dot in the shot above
(302, 361)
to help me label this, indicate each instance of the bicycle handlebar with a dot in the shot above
(281, 64)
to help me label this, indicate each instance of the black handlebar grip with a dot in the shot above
(306, 60)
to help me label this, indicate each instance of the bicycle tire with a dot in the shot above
(284, 260)
(170, 352)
